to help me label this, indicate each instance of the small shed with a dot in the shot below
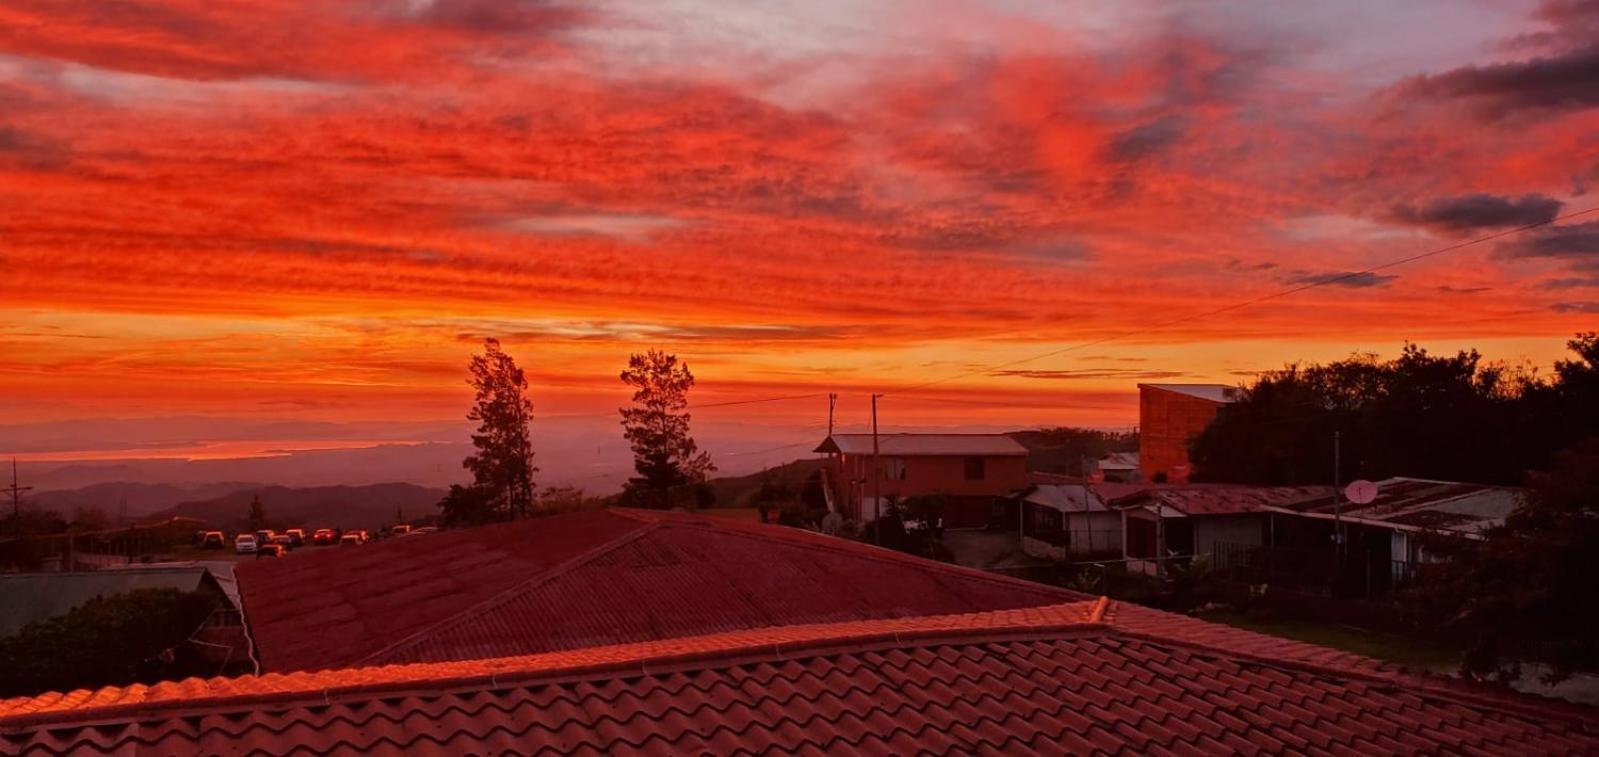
(1069, 522)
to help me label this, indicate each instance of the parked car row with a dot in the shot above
(267, 542)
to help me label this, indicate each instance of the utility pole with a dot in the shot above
(1338, 496)
(877, 482)
(832, 402)
(16, 493)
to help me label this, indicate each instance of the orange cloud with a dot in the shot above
(322, 206)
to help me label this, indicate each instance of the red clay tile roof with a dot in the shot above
(1067, 678)
(588, 579)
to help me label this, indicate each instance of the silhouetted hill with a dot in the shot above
(739, 491)
(370, 506)
(131, 500)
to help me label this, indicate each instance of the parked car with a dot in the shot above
(270, 550)
(403, 529)
(264, 535)
(213, 540)
(283, 540)
(351, 539)
(425, 530)
(244, 544)
(324, 536)
(297, 536)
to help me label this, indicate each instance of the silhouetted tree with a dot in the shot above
(502, 468)
(257, 517)
(468, 506)
(1444, 417)
(1526, 592)
(90, 518)
(657, 428)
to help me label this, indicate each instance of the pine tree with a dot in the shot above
(657, 428)
(257, 516)
(502, 468)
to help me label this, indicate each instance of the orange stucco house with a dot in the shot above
(973, 469)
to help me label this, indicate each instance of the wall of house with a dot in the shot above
(1087, 535)
(1167, 422)
(1247, 528)
(971, 498)
(1094, 534)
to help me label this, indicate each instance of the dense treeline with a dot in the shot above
(1453, 417)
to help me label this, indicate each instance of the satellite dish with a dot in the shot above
(1360, 492)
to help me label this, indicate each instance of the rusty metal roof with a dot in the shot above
(928, 445)
(1217, 499)
(1422, 503)
(588, 579)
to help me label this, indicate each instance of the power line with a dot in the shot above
(1321, 282)
(690, 408)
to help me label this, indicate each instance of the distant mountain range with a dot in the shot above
(123, 500)
(370, 507)
(225, 503)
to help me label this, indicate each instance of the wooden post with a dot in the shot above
(877, 481)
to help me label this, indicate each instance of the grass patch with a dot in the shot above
(1410, 652)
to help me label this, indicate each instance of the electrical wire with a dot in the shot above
(1321, 282)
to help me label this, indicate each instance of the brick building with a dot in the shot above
(1169, 417)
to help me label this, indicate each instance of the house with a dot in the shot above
(974, 470)
(1118, 467)
(1169, 417)
(585, 579)
(1389, 532)
(32, 597)
(925, 659)
(1069, 522)
(27, 598)
(1182, 521)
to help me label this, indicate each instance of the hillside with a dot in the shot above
(370, 506)
(132, 500)
(739, 491)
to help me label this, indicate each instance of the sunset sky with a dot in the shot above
(277, 216)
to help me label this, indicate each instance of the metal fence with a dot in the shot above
(1367, 574)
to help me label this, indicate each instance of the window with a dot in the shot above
(894, 468)
(974, 468)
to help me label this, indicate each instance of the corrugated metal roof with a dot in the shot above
(589, 579)
(1222, 393)
(1119, 461)
(933, 445)
(1221, 499)
(1067, 498)
(31, 597)
(1068, 678)
(1444, 505)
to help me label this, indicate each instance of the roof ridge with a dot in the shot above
(517, 589)
(111, 702)
(781, 533)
